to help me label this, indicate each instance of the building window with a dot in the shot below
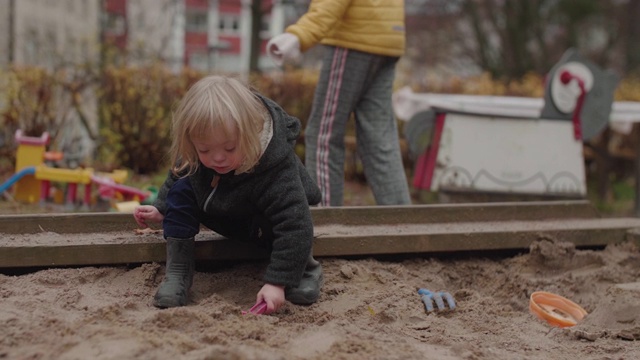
(199, 60)
(115, 24)
(196, 21)
(229, 24)
(265, 31)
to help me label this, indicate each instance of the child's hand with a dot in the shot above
(147, 213)
(273, 295)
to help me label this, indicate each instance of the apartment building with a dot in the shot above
(49, 33)
(208, 35)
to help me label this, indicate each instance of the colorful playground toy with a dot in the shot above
(509, 144)
(33, 177)
(428, 298)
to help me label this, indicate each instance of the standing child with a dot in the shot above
(363, 41)
(236, 173)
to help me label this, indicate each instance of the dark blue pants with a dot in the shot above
(184, 217)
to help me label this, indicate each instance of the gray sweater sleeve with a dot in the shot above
(283, 201)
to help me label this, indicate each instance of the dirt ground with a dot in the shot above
(369, 309)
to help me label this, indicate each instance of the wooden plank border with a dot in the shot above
(71, 223)
(494, 236)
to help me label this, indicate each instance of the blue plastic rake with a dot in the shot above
(429, 297)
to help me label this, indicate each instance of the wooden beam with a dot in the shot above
(355, 215)
(32, 250)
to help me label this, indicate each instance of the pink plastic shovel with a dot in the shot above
(257, 309)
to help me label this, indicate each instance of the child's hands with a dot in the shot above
(273, 295)
(147, 213)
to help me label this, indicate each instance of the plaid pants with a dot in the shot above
(359, 83)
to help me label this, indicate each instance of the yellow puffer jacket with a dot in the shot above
(373, 26)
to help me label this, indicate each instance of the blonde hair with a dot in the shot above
(217, 102)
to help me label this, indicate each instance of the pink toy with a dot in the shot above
(257, 309)
(108, 187)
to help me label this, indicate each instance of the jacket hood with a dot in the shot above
(286, 130)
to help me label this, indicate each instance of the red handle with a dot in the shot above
(565, 78)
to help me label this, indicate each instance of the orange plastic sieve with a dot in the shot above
(555, 309)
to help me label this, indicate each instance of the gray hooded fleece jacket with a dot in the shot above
(273, 198)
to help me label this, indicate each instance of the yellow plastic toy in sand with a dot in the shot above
(555, 309)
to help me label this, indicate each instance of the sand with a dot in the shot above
(369, 309)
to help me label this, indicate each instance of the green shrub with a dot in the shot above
(135, 105)
(135, 115)
(30, 100)
(292, 90)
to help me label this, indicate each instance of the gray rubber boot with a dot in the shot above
(178, 277)
(308, 291)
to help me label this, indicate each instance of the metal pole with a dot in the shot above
(636, 133)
